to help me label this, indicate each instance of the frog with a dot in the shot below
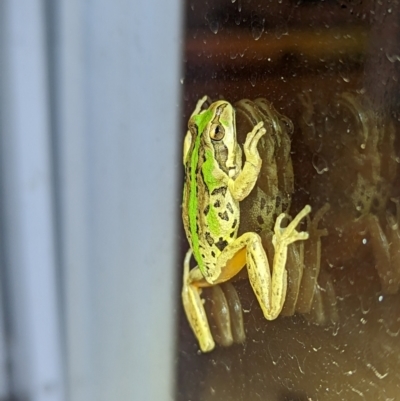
(310, 289)
(216, 181)
(353, 153)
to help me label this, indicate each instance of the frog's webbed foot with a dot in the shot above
(194, 309)
(285, 236)
(245, 181)
(226, 315)
(315, 296)
(250, 145)
(285, 257)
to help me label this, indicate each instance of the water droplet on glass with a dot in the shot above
(319, 163)
(232, 55)
(364, 241)
(392, 58)
(212, 23)
(344, 77)
(253, 79)
(182, 80)
(380, 298)
(214, 26)
(283, 31)
(240, 5)
(257, 27)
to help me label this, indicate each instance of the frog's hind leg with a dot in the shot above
(269, 286)
(194, 309)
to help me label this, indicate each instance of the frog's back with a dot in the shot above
(210, 214)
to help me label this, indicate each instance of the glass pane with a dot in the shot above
(329, 72)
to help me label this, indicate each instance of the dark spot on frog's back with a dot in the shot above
(221, 244)
(220, 190)
(206, 210)
(262, 203)
(229, 207)
(217, 203)
(224, 216)
(234, 223)
(260, 220)
(209, 239)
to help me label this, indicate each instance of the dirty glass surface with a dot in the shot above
(332, 68)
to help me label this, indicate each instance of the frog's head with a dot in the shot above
(217, 128)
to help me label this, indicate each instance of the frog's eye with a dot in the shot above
(217, 132)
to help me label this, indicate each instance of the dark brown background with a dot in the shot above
(277, 49)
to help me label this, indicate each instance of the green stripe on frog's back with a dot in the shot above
(201, 122)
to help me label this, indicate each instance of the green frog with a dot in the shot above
(216, 181)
